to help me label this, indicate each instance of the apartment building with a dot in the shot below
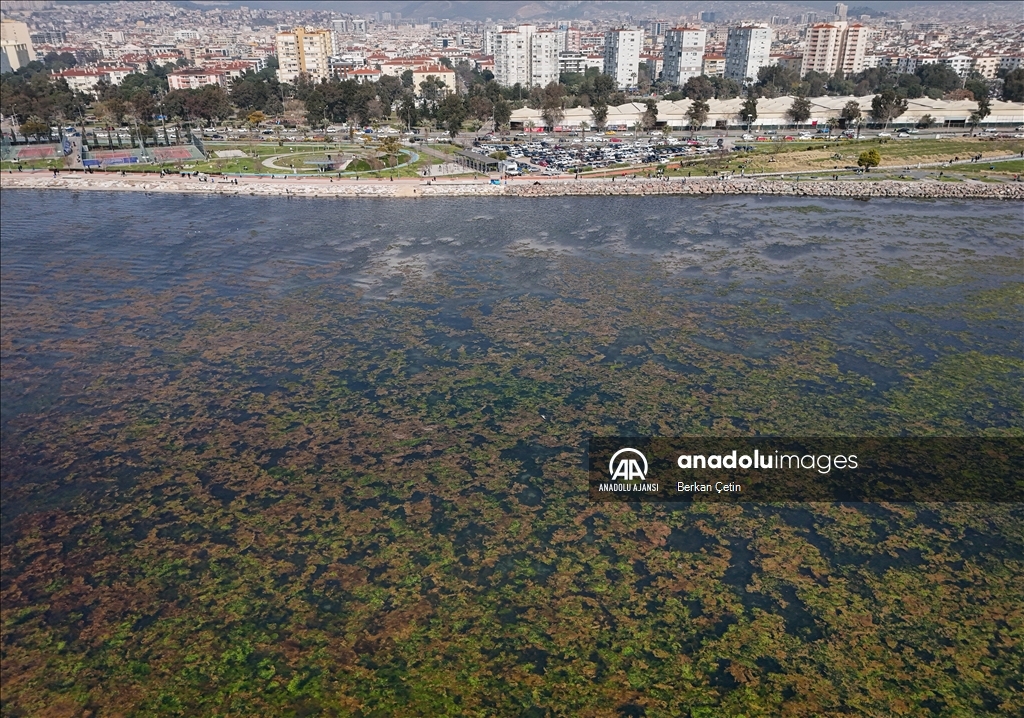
(834, 46)
(683, 54)
(622, 56)
(526, 56)
(15, 45)
(747, 50)
(713, 65)
(304, 51)
(544, 48)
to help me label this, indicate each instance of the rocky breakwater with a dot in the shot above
(191, 185)
(322, 188)
(856, 189)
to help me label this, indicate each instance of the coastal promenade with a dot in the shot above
(417, 188)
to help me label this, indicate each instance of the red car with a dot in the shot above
(761, 139)
(789, 138)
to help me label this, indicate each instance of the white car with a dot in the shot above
(885, 134)
(747, 138)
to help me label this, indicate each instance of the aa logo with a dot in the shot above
(625, 465)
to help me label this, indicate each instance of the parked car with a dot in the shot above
(747, 137)
(885, 134)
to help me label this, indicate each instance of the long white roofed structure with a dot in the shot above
(772, 113)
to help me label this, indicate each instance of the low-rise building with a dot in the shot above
(192, 78)
(713, 65)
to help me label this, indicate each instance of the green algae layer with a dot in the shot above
(295, 458)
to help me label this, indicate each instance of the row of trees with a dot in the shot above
(33, 94)
(935, 81)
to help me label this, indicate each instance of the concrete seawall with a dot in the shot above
(321, 188)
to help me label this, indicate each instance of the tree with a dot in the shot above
(1013, 86)
(984, 108)
(925, 122)
(451, 113)
(35, 128)
(886, 106)
(977, 87)
(389, 89)
(583, 129)
(316, 109)
(407, 79)
(390, 147)
(979, 115)
(698, 88)
(775, 80)
(480, 107)
(869, 159)
(851, 114)
(551, 104)
(697, 114)
(599, 113)
(408, 111)
(814, 84)
(800, 111)
(143, 106)
(832, 123)
(959, 94)
(502, 114)
(649, 120)
(748, 110)
(255, 119)
(431, 90)
(725, 88)
(939, 76)
(643, 78)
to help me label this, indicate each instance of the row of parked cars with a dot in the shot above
(556, 157)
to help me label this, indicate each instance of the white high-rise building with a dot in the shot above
(15, 44)
(747, 50)
(544, 48)
(304, 51)
(512, 56)
(684, 54)
(622, 56)
(834, 46)
(488, 38)
(526, 56)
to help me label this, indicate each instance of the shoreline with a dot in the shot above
(322, 188)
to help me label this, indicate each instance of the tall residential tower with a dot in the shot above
(526, 56)
(747, 50)
(684, 54)
(304, 51)
(622, 56)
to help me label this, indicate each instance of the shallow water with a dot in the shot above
(348, 436)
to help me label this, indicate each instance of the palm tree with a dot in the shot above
(583, 130)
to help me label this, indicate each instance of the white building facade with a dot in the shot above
(683, 54)
(747, 50)
(526, 56)
(622, 56)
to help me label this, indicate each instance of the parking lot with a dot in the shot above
(550, 156)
